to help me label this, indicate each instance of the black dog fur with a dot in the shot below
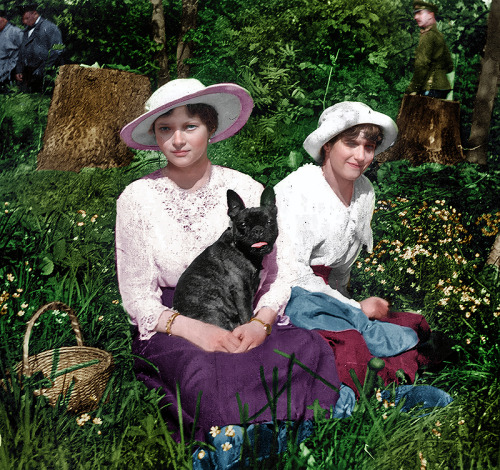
(219, 286)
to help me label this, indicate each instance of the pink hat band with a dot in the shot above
(232, 103)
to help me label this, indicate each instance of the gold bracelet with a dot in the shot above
(267, 326)
(170, 320)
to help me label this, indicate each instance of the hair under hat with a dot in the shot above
(232, 103)
(342, 116)
(28, 7)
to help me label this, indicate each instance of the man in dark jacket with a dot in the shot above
(432, 56)
(10, 41)
(41, 48)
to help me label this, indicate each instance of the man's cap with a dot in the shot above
(418, 6)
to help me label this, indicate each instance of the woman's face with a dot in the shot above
(182, 138)
(348, 158)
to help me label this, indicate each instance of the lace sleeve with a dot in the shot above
(365, 205)
(135, 262)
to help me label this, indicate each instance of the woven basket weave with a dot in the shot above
(78, 373)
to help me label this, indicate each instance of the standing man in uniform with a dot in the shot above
(38, 52)
(432, 56)
(10, 41)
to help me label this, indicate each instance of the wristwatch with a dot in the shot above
(267, 326)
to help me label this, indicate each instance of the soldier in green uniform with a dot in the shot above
(432, 56)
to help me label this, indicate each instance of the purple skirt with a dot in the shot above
(221, 377)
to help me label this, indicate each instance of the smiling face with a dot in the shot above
(183, 138)
(349, 155)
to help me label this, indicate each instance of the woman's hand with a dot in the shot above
(375, 308)
(213, 338)
(208, 337)
(250, 336)
(253, 334)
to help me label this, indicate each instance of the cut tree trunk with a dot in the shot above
(159, 36)
(188, 22)
(486, 90)
(494, 257)
(429, 131)
(88, 109)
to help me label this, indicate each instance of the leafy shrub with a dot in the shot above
(426, 261)
(434, 227)
(22, 121)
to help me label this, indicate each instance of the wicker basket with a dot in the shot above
(79, 372)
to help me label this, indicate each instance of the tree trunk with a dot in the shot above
(486, 90)
(188, 22)
(494, 257)
(159, 36)
(429, 131)
(88, 109)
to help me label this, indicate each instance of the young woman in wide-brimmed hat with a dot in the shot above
(164, 220)
(324, 214)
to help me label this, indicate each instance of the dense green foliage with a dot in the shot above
(295, 59)
(433, 227)
(298, 59)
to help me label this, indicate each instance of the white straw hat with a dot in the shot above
(232, 103)
(342, 116)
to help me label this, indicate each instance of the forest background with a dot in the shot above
(435, 225)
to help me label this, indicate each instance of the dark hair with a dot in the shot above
(371, 132)
(207, 114)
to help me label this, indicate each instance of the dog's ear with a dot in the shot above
(234, 203)
(268, 198)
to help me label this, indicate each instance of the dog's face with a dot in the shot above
(255, 229)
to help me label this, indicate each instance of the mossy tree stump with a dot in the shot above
(88, 109)
(429, 131)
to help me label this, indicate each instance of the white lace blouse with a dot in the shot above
(316, 228)
(161, 228)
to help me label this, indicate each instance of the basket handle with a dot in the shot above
(45, 308)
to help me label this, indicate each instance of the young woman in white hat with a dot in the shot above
(164, 220)
(324, 214)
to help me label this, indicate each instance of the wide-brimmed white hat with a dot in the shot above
(342, 116)
(232, 103)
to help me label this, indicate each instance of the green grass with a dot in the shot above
(57, 243)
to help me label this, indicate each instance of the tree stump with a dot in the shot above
(88, 109)
(494, 257)
(429, 131)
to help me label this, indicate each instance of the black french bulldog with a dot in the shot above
(219, 286)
